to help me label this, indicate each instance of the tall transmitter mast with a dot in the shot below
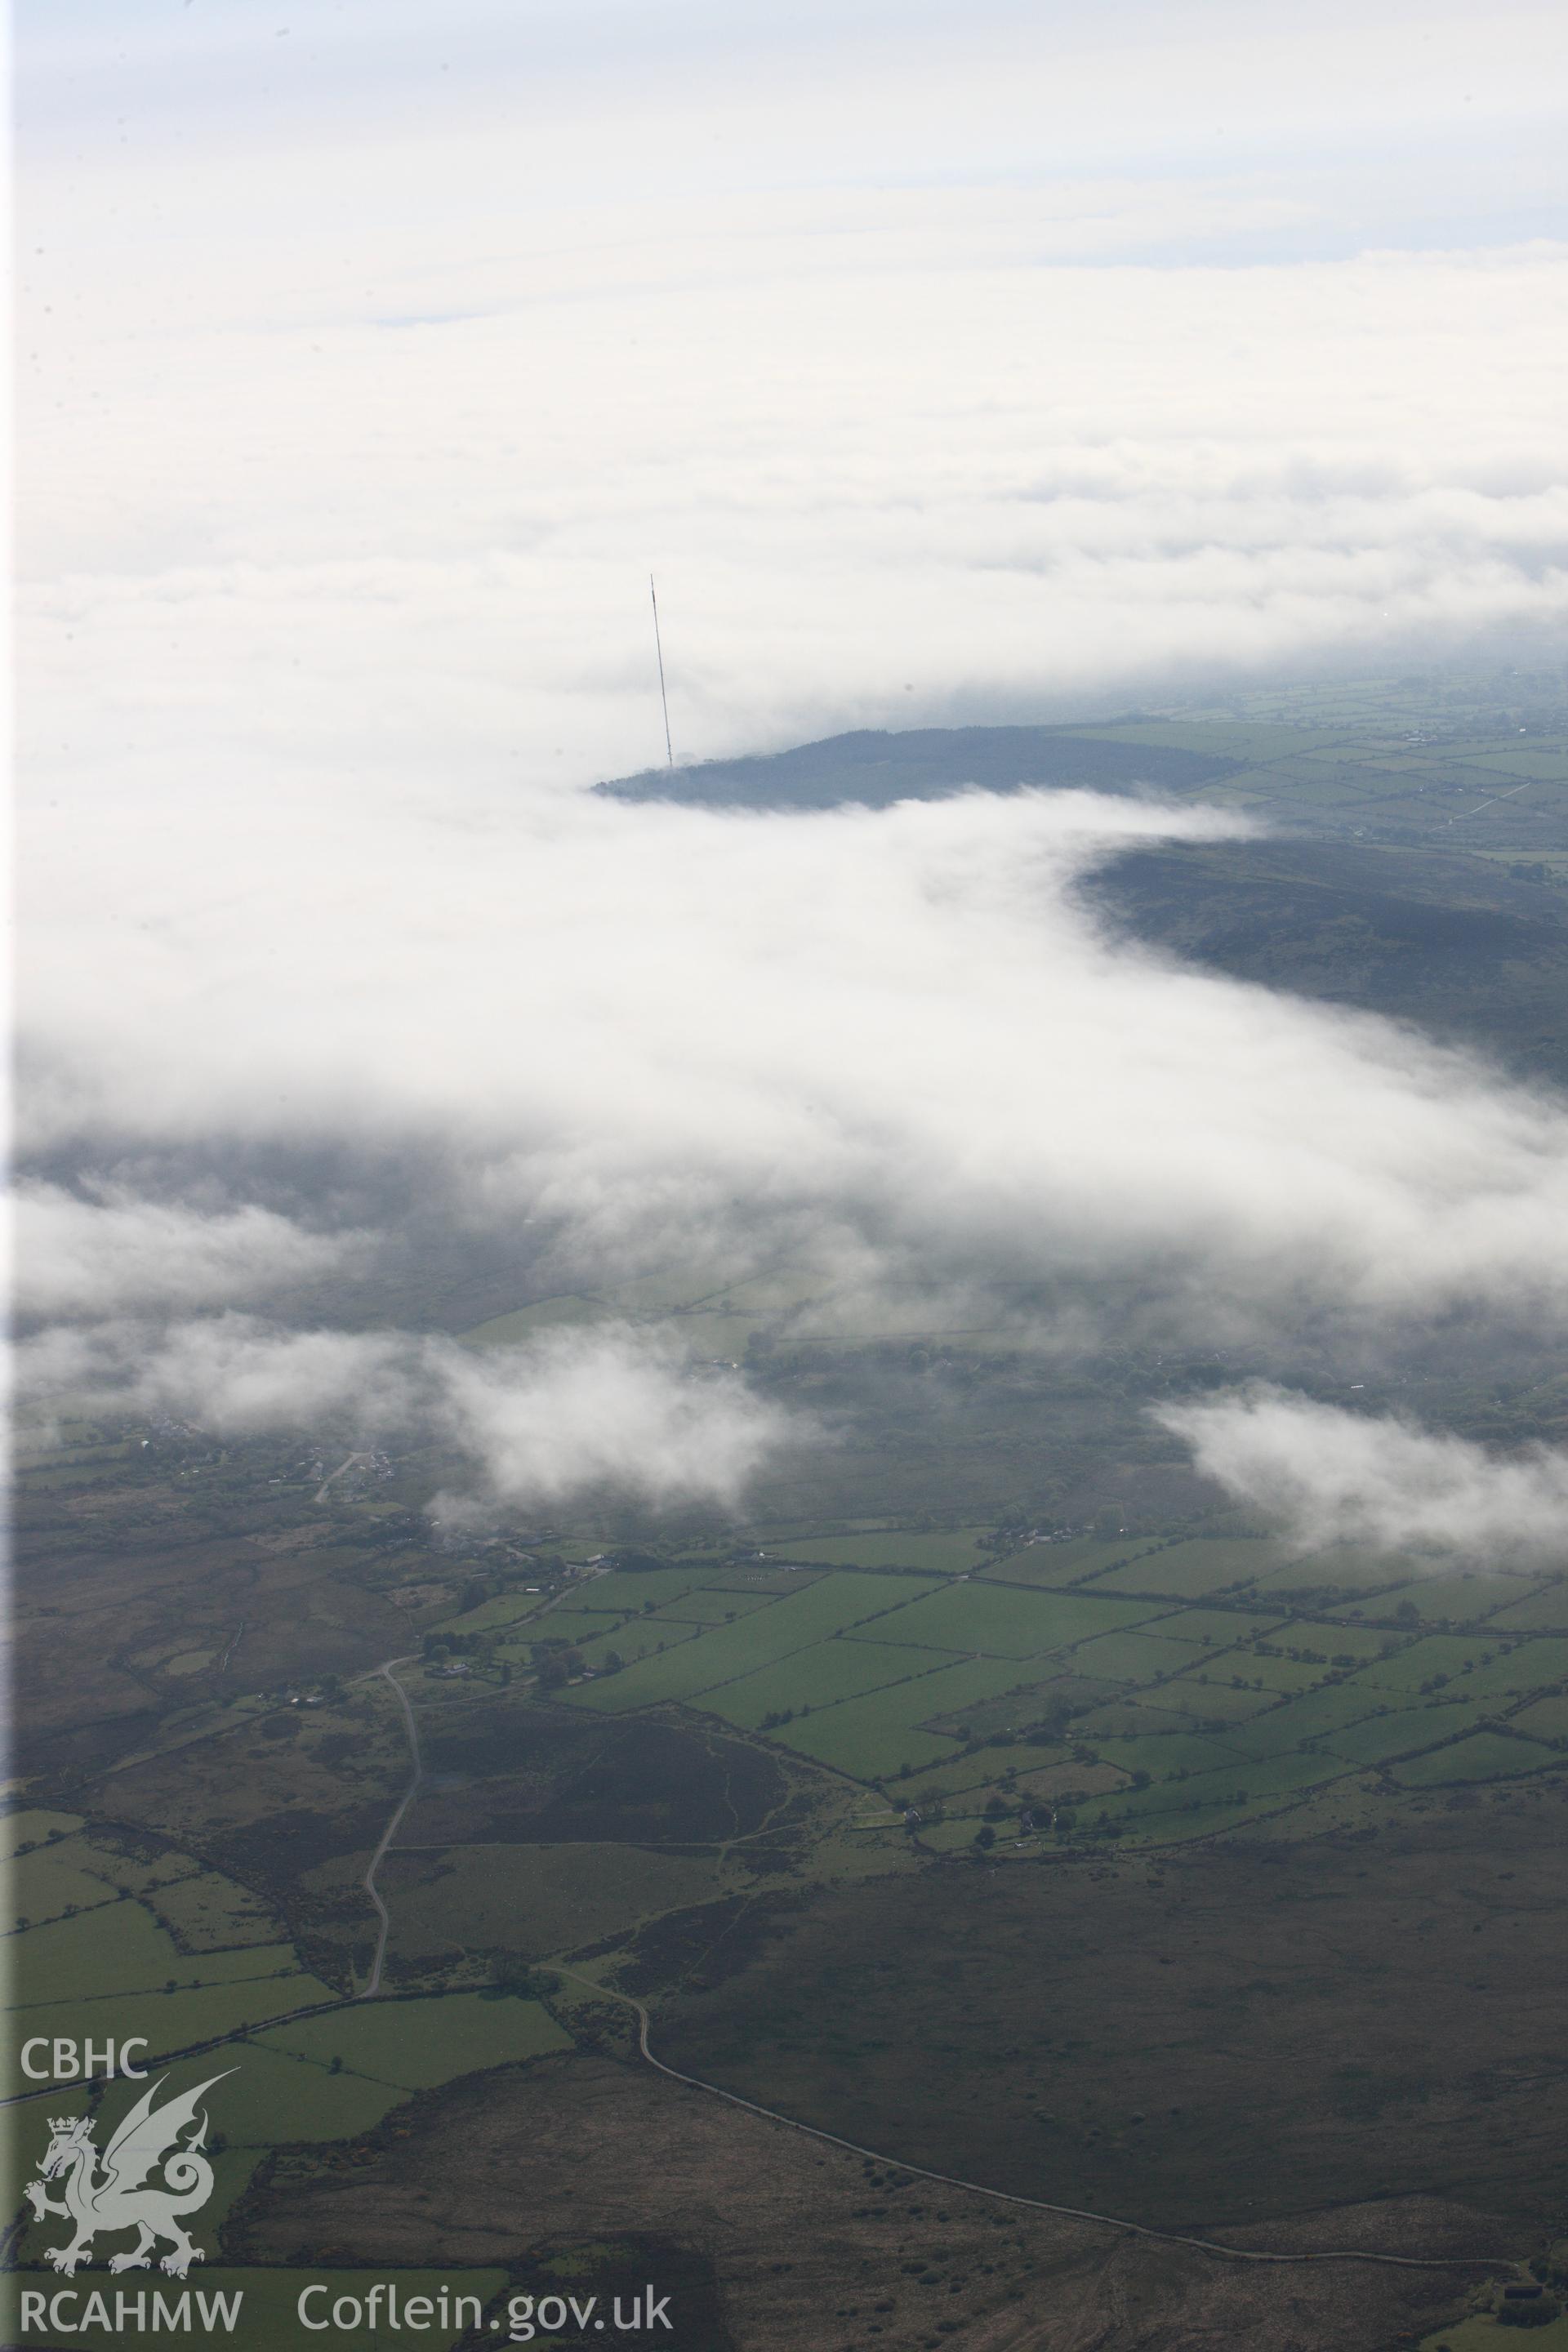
(659, 648)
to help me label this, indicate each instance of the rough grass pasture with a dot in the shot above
(532, 1899)
(210, 1913)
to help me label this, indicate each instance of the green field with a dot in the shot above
(1136, 1657)
(1009, 1624)
(624, 1591)
(727, 1652)
(947, 1554)
(1486, 1755)
(821, 1677)
(414, 2045)
(1064, 1563)
(1190, 1570)
(1463, 1599)
(1379, 1737)
(872, 1737)
(710, 1605)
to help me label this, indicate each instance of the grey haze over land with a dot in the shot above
(994, 369)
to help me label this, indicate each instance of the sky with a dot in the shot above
(945, 365)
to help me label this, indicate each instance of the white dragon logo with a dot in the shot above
(117, 2198)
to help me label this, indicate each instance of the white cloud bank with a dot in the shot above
(615, 1409)
(103, 1256)
(1334, 1477)
(660, 1030)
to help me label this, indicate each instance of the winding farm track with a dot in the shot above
(386, 1672)
(1116, 2221)
(1033, 2204)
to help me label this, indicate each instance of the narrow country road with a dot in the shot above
(378, 1857)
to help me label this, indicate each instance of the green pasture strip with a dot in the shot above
(711, 1607)
(935, 1554)
(572, 1625)
(414, 2044)
(957, 1776)
(1135, 1657)
(633, 1588)
(1460, 1599)
(1346, 1570)
(1129, 1717)
(1221, 1629)
(32, 1826)
(878, 1734)
(727, 1652)
(74, 1959)
(167, 2021)
(504, 1609)
(1485, 1663)
(1007, 1623)
(1211, 1700)
(1486, 1755)
(1161, 1754)
(1065, 1563)
(1190, 1571)
(1242, 1783)
(639, 1637)
(268, 2308)
(42, 1885)
(1282, 1674)
(1544, 1611)
(827, 1673)
(1312, 1715)
(1378, 1736)
(1545, 1718)
(506, 1330)
(764, 1580)
(1364, 1643)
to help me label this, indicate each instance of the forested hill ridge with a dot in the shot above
(1415, 862)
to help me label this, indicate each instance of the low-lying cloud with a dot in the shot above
(666, 1034)
(1327, 1477)
(615, 1409)
(113, 1252)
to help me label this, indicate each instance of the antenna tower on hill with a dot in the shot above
(659, 648)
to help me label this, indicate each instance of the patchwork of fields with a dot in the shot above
(1157, 1690)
